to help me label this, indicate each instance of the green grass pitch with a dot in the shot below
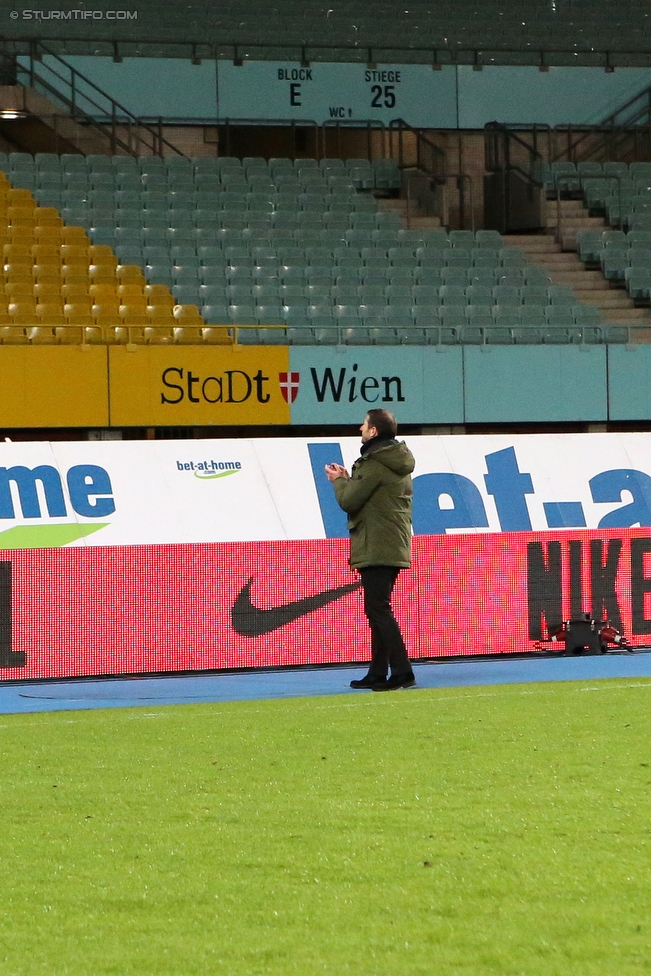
(460, 832)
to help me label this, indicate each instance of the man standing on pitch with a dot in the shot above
(377, 498)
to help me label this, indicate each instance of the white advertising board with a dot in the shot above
(195, 491)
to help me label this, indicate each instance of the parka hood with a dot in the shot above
(394, 455)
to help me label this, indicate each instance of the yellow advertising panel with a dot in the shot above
(188, 386)
(53, 386)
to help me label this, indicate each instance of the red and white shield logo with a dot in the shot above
(289, 385)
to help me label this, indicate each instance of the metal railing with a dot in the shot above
(461, 179)
(569, 179)
(608, 140)
(508, 153)
(583, 143)
(424, 203)
(505, 150)
(617, 134)
(322, 134)
(87, 105)
(418, 151)
(558, 237)
(226, 128)
(337, 126)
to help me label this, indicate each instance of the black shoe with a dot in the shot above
(397, 681)
(373, 681)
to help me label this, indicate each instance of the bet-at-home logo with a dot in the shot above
(209, 470)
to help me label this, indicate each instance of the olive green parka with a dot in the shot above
(377, 498)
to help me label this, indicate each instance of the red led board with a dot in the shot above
(99, 610)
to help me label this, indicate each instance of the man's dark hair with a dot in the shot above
(384, 422)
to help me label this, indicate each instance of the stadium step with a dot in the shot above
(563, 260)
(626, 315)
(578, 278)
(47, 128)
(531, 243)
(641, 336)
(572, 223)
(590, 287)
(611, 299)
(574, 217)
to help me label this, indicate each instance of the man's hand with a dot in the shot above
(334, 471)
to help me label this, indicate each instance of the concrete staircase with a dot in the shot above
(42, 126)
(564, 267)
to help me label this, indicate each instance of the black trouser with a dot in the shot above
(387, 646)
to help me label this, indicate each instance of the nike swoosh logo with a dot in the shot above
(250, 621)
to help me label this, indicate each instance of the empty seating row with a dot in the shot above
(391, 259)
(434, 335)
(590, 244)
(443, 334)
(255, 235)
(405, 244)
(351, 316)
(371, 274)
(327, 277)
(390, 247)
(236, 232)
(164, 183)
(617, 253)
(296, 291)
(105, 334)
(624, 202)
(119, 201)
(570, 177)
(148, 225)
(347, 292)
(615, 262)
(23, 312)
(381, 174)
(601, 193)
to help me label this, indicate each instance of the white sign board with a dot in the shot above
(322, 92)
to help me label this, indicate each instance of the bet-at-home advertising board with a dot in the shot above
(136, 557)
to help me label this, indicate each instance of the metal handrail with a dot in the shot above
(408, 180)
(644, 94)
(616, 176)
(497, 162)
(438, 170)
(69, 87)
(502, 145)
(371, 126)
(610, 123)
(462, 177)
(570, 178)
(229, 123)
(603, 148)
(559, 218)
(324, 51)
